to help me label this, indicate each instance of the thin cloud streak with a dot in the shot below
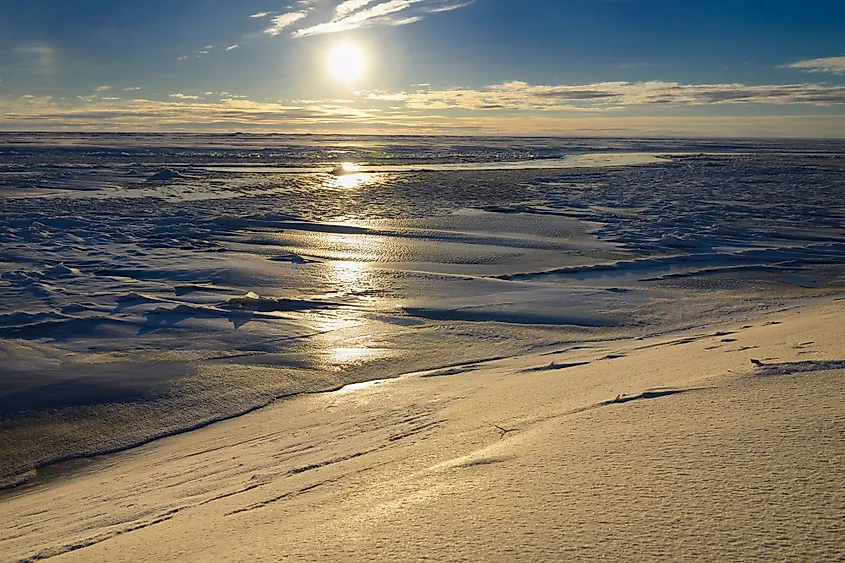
(185, 108)
(449, 8)
(233, 113)
(614, 95)
(283, 21)
(354, 14)
(40, 58)
(834, 65)
(345, 8)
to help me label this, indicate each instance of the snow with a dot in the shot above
(618, 455)
(518, 279)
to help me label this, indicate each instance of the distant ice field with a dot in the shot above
(153, 283)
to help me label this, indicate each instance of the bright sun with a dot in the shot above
(347, 63)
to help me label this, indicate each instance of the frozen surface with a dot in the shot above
(153, 283)
(673, 448)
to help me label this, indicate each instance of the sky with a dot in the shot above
(697, 68)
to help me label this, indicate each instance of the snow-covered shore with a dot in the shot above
(134, 309)
(673, 447)
(204, 331)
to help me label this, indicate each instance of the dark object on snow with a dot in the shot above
(164, 174)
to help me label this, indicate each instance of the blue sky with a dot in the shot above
(653, 67)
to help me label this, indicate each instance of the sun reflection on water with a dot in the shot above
(350, 276)
(347, 332)
(348, 175)
(350, 181)
(349, 168)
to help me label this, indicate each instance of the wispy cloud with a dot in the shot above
(231, 47)
(611, 95)
(350, 19)
(182, 112)
(103, 88)
(260, 15)
(283, 21)
(354, 14)
(131, 88)
(384, 96)
(829, 64)
(41, 58)
(36, 100)
(348, 6)
(381, 112)
(448, 7)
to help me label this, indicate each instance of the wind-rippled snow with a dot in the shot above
(132, 308)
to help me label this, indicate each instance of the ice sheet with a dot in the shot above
(133, 309)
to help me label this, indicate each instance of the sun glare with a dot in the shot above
(347, 63)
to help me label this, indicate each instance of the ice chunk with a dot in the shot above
(60, 270)
(164, 174)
